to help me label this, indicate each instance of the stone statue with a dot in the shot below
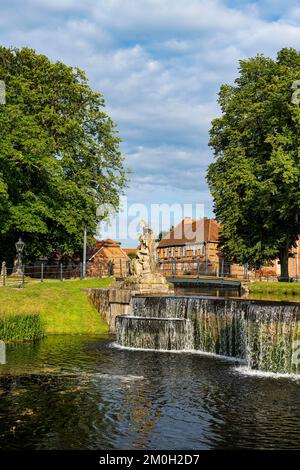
(17, 269)
(143, 276)
(3, 269)
(144, 263)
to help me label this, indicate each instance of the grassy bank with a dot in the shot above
(60, 307)
(278, 288)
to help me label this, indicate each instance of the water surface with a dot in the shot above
(78, 392)
(222, 291)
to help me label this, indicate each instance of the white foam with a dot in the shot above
(245, 370)
(123, 378)
(241, 369)
(181, 351)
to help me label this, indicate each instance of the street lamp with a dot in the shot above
(19, 247)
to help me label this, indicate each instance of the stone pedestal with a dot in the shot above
(147, 284)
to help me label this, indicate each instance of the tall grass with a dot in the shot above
(21, 327)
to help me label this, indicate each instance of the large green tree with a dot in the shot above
(59, 155)
(255, 178)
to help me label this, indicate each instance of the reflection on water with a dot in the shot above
(232, 292)
(207, 290)
(76, 392)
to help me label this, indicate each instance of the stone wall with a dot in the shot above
(111, 303)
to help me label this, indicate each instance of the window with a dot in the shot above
(173, 252)
(184, 251)
(166, 252)
(179, 252)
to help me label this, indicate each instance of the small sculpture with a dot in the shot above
(3, 269)
(144, 263)
(17, 269)
(143, 276)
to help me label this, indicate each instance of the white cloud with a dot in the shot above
(186, 168)
(159, 66)
(169, 15)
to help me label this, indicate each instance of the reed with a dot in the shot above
(21, 328)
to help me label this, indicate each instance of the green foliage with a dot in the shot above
(164, 233)
(254, 179)
(132, 255)
(59, 155)
(21, 328)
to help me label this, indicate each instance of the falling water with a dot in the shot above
(173, 334)
(260, 333)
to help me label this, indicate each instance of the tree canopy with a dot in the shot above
(255, 177)
(59, 155)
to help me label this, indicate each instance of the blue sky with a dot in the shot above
(159, 65)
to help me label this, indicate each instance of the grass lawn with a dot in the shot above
(62, 306)
(285, 288)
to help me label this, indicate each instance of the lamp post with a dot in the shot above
(18, 265)
(84, 254)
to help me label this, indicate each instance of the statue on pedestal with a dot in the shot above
(17, 269)
(3, 270)
(144, 263)
(143, 275)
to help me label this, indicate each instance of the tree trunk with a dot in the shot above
(284, 263)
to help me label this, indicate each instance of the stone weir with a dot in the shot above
(114, 301)
(143, 279)
(264, 335)
(110, 303)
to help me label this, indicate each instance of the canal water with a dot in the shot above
(207, 291)
(78, 392)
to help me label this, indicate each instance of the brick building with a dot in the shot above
(131, 252)
(193, 247)
(107, 258)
